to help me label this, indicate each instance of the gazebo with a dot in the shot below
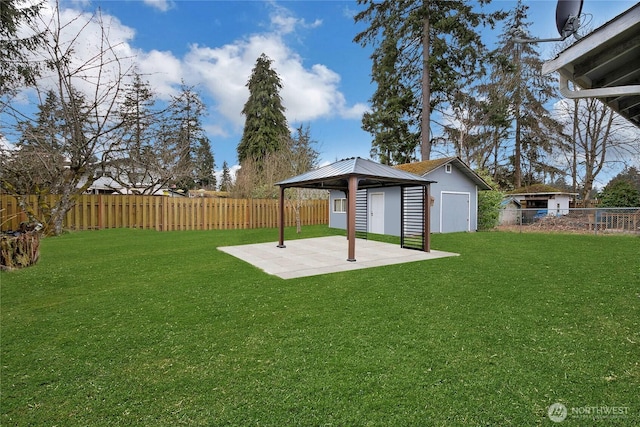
(351, 175)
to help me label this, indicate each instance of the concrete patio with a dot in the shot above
(323, 255)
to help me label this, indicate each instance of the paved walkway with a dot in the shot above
(322, 255)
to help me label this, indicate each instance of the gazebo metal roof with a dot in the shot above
(370, 175)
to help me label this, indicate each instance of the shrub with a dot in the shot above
(620, 194)
(489, 209)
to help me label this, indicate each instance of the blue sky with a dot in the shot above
(213, 45)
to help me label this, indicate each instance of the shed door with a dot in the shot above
(455, 212)
(376, 211)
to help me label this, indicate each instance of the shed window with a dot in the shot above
(447, 168)
(340, 205)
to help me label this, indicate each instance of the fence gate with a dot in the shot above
(412, 205)
(362, 224)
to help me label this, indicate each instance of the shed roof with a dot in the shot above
(509, 200)
(425, 167)
(538, 190)
(605, 64)
(371, 175)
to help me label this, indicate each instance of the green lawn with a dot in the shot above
(132, 327)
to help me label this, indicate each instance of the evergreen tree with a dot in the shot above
(256, 178)
(137, 114)
(265, 127)
(631, 174)
(620, 193)
(15, 66)
(439, 34)
(301, 152)
(186, 137)
(523, 87)
(463, 128)
(140, 160)
(204, 165)
(496, 120)
(393, 118)
(226, 183)
(39, 163)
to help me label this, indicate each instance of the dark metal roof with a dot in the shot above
(371, 175)
(606, 65)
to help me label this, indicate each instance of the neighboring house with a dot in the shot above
(510, 211)
(105, 183)
(454, 199)
(542, 200)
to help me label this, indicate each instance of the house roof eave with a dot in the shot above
(370, 175)
(427, 167)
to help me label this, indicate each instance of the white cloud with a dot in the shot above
(162, 70)
(219, 72)
(161, 5)
(216, 130)
(355, 112)
(284, 22)
(5, 144)
(308, 93)
(81, 35)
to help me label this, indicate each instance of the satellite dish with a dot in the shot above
(567, 21)
(568, 16)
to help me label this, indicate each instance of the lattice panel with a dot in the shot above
(362, 212)
(412, 236)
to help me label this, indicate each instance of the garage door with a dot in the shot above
(455, 212)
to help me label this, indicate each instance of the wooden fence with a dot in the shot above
(94, 212)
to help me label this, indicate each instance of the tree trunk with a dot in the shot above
(574, 160)
(517, 155)
(586, 191)
(425, 143)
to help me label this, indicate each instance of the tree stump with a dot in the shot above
(19, 250)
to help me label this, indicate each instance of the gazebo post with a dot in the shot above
(281, 220)
(351, 216)
(427, 219)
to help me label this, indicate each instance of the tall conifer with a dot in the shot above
(437, 50)
(265, 127)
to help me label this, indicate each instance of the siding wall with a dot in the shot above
(455, 182)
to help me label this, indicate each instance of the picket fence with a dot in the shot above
(96, 212)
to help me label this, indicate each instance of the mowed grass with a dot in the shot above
(133, 327)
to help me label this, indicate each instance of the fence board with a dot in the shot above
(92, 212)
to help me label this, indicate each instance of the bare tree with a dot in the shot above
(86, 91)
(135, 164)
(465, 129)
(157, 145)
(600, 139)
(256, 178)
